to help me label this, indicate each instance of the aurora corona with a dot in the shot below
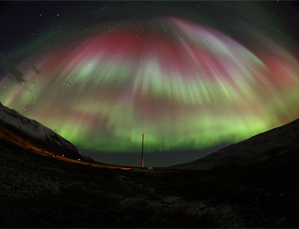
(187, 85)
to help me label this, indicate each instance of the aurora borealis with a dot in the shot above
(188, 84)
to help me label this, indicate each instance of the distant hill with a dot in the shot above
(279, 141)
(17, 130)
(254, 184)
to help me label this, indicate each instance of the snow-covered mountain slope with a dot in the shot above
(270, 144)
(17, 129)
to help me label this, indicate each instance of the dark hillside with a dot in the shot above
(250, 184)
(262, 147)
(41, 191)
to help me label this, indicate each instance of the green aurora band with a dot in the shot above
(187, 85)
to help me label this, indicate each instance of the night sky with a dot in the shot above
(193, 76)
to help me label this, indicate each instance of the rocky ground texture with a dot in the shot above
(39, 191)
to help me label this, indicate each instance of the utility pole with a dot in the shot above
(142, 158)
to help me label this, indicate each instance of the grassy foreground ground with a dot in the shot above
(38, 191)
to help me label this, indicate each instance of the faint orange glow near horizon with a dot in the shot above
(9, 136)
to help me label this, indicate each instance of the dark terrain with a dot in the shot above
(252, 183)
(39, 191)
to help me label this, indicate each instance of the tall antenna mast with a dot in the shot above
(142, 157)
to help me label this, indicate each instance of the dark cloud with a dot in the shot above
(11, 69)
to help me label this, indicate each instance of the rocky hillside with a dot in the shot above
(239, 191)
(278, 141)
(38, 191)
(17, 129)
